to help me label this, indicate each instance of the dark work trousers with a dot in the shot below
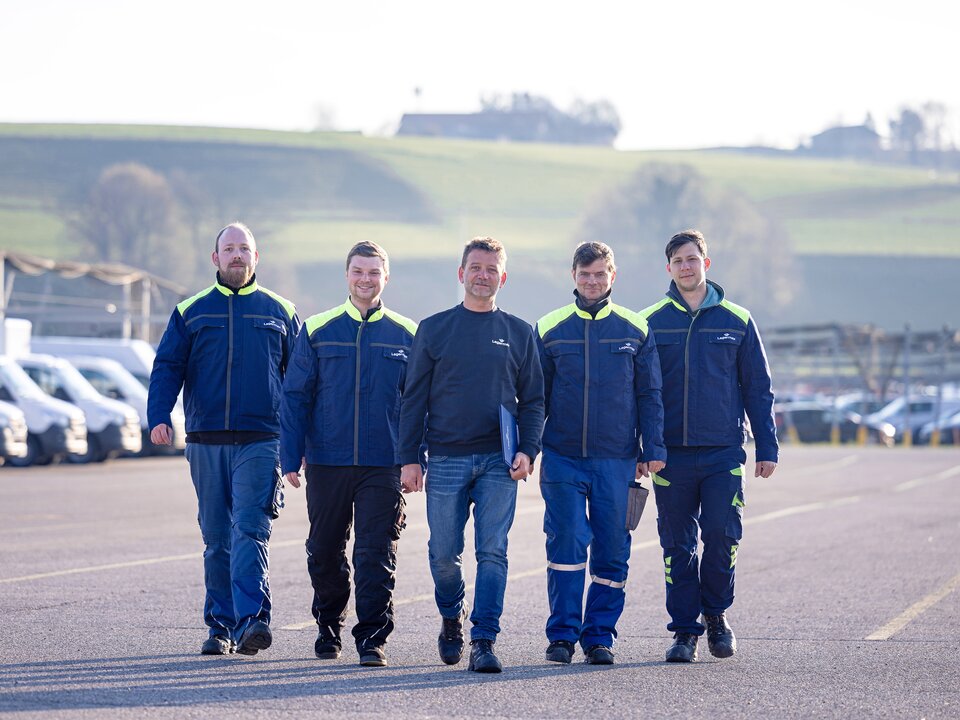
(369, 499)
(701, 488)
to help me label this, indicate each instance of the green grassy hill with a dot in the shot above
(309, 196)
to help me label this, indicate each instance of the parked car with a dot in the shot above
(113, 427)
(55, 429)
(13, 432)
(890, 422)
(949, 430)
(113, 380)
(862, 403)
(813, 421)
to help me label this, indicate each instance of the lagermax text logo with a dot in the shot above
(501, 342)
(273, 324)
(627, 346)
(726, 336)
(399, 354)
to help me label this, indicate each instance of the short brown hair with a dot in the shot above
(366, 248)
(682, 238)
(237, 225)
(588, 253)
(487, 244)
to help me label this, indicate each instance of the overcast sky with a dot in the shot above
(685, 74)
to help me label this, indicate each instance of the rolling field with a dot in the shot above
(312, 195)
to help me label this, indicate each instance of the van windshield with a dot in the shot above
(77, 386)
(20, 383)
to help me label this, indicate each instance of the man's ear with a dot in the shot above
(503, 279)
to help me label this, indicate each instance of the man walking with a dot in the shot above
(228, 348)
(341, 407)
(602, 379)
(466, 363)
(714, 369)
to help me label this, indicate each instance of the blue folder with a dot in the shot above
(509, 436)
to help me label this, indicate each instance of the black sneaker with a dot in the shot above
(482, 658)
(326, 647)
(373, 657)
(217, 645)
(256, 637)
(450, 642)
(684, 648)
(720, 638)
(598, 655)
(561, 651)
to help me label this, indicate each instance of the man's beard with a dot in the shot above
(236, 276)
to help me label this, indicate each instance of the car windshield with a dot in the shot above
(20, 383)
(114, 378)
(78, 387)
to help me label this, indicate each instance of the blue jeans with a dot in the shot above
(235, 487)
(453, 483)
(569, 486)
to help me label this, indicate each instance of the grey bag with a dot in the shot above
(636, 499)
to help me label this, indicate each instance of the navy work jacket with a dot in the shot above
(602, 384)
(228, 350)
(714, 368)
(341, 396)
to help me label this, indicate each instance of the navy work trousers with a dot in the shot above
(700, 489)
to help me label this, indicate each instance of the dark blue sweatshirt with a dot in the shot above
(463, 366)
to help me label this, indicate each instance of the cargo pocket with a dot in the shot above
(400, 521)
(276, 497)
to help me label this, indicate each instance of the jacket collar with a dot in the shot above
(373, 314)
(250, 287)
(714, 297)
(593, 309)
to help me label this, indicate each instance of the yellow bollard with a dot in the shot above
(907, 437)
(935, 438)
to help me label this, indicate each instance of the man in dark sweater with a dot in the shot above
(465, 363)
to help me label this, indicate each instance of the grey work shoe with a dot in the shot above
(256, 637)
(720, 638)
(598, 655)
(217, 645)
(450, 643)
(561, 651)
(684, 648)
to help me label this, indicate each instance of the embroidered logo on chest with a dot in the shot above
(399, 354)
(726, 337)
(501, 342)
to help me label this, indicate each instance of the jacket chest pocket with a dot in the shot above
(670, 350)
(266, 334)
(721, 348)
(209, 341)
(568, 361)
(335, 366)
(617, 356)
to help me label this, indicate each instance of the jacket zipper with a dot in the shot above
(356, 399)
(686, 374)
(586, 383)
(226, 419)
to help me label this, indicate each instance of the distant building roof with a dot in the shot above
(528, 126)
(846, 141)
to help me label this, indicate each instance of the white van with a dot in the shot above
(13, 432)
(113, 380)
(135, 355)
(55, 429)
(113, 427)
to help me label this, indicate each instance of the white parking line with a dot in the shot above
(943, 475)
(914, 611)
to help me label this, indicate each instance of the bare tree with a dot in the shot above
(752, 254)
(130, 217)
(906, 132)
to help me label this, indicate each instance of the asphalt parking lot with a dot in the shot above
(848, 598)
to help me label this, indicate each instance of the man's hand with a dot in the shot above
(162, 435)
(645, 468)
(293, 478)
(764, 469)
(522, 466)
(411, 478)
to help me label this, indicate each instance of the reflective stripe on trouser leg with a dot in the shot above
(678, 502)
(564, 488)
(609, 549)
(721, 528)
